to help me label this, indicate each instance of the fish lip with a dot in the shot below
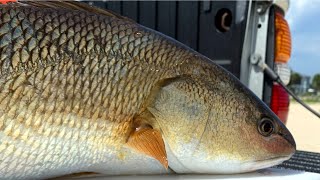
(266, 163)
(284, 158)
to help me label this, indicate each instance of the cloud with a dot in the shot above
(296, 8)
(299, 9)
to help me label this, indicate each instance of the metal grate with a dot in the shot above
(303, 161)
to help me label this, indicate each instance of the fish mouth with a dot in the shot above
(266, 163)
(278, 158)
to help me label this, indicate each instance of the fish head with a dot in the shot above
(217, 125)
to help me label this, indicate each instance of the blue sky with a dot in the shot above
(304, 20)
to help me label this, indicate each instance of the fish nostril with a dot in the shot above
(289, 138)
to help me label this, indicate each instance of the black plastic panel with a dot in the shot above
(187, 23)
(115, 6)
(223, 46)
(130, 9)
(166, 17)
(268, 83)
(147, 13)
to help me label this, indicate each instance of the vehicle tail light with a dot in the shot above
(284, 72)
(280, 98)
(283, 39)
(280, 102)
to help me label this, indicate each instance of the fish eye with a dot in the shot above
(266, 127)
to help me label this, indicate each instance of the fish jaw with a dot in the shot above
(194, 157)
(222, 164)
(189, 157)
(261, 164)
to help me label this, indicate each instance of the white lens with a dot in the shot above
(283, 70)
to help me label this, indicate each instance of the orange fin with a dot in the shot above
(149, 141)
(7, 1)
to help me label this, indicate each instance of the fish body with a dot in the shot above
(76, 84)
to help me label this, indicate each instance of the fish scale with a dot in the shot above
(55, 68)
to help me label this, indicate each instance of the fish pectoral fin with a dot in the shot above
(149, 141)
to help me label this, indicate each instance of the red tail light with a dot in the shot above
(280, 98)
(280, 102)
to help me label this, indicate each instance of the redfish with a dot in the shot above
(86, 90)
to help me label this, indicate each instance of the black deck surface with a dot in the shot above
(303, 161)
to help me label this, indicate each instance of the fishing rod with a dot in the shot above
(275, 77)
